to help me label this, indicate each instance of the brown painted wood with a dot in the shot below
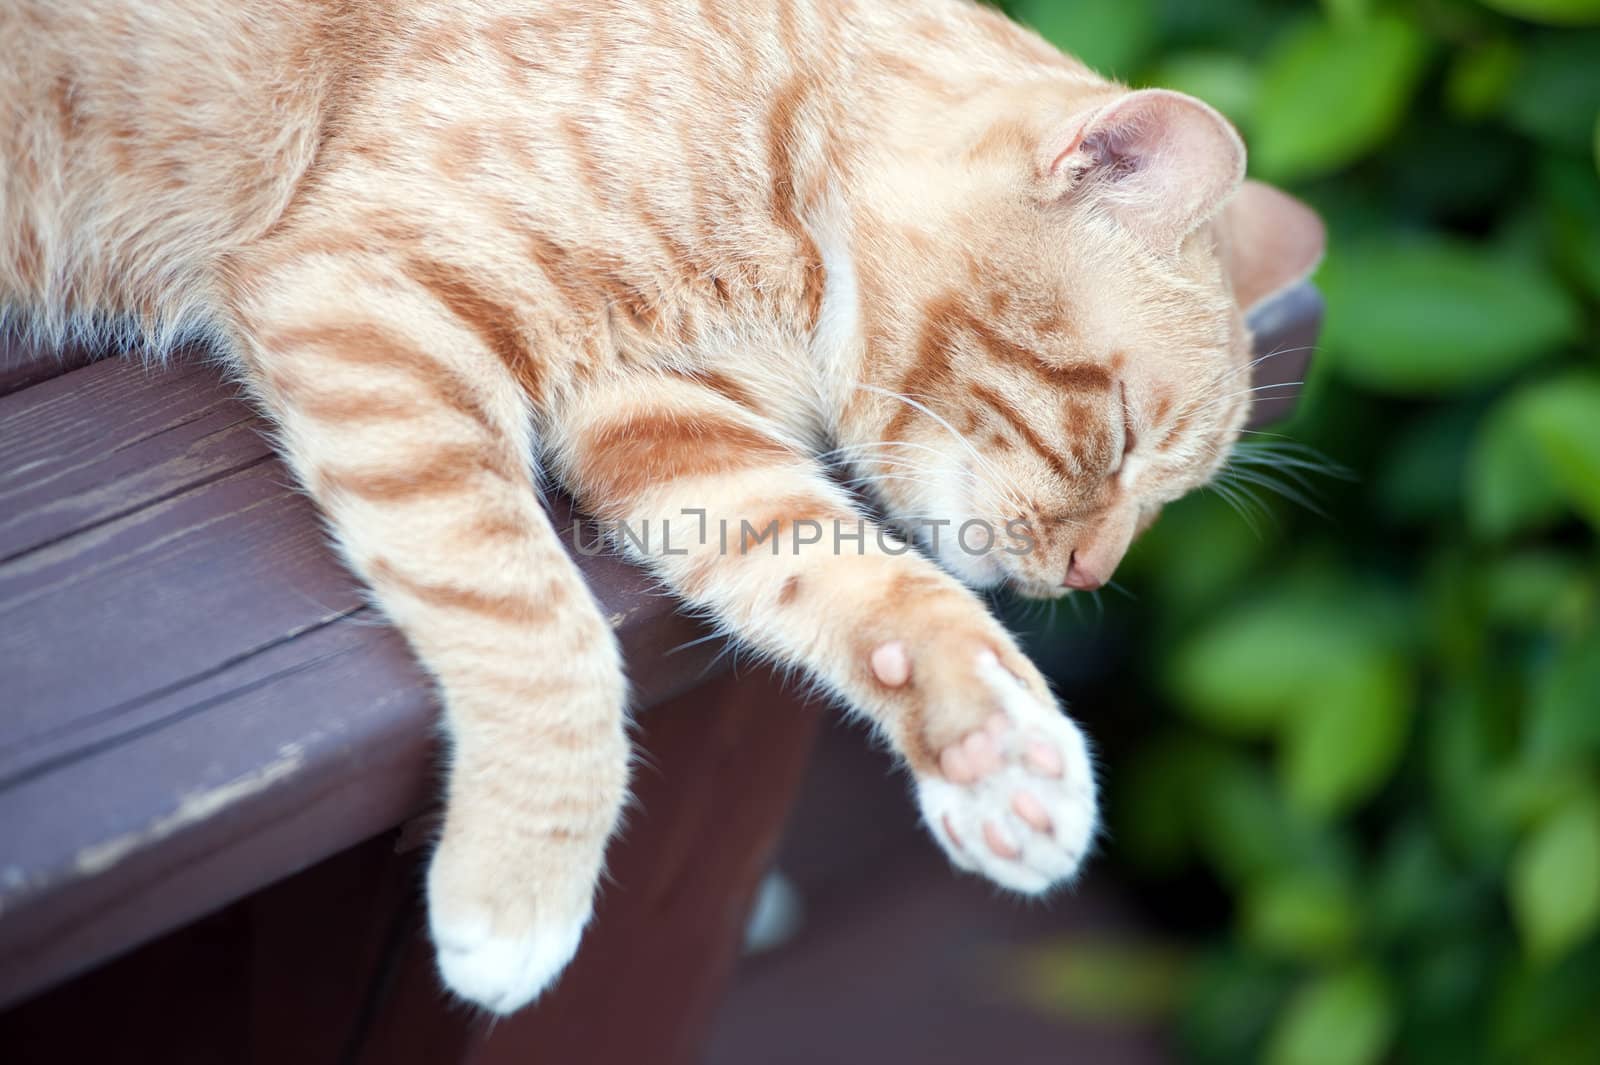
(722, 768)
(333, 967)
(280, 978)
(322, 947)
(23, 364)
(89, 446)
(176, 1001)
(1286, 329)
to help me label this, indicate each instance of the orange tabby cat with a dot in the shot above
(667, 253)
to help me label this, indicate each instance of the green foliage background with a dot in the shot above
(1378, 731)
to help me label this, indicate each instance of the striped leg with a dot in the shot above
(403, 418)
(1003, 777)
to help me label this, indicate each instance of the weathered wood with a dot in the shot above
(711, 801)
(87, 447)
(23, 364)
(332, 967)
(1286, 329)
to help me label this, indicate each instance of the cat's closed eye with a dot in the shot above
(1130, 440)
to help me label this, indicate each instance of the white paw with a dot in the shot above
(1016, 799)
(502, 973)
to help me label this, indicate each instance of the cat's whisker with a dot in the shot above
(1230, 495)
(968, 476)
(1238, 478)
(1299, 472)
(1284, 454)
(1217, 401)
(1285, 461)
(1077, 607)
(692, 643)
(1199, 405)
(1253, 363)
(877, 445)
(879, 478)
(865, 468)
(1252, 390)
(1008, 490)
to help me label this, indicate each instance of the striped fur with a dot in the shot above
(676, 254)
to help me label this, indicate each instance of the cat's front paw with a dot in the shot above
(498, 971)
(1015, 799)
(499, 954)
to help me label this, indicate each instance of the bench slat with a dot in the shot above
(103, 441)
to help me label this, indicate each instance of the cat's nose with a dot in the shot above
(1080, 578)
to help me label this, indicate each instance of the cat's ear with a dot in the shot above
(1268, 241)
(1160, 161)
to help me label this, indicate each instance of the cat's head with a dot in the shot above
(1054, 319)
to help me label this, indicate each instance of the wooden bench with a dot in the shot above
(198, 703)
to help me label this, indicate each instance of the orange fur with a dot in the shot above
(666, 253)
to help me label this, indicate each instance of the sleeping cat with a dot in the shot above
(677, 257)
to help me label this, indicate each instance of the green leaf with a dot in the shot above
(1480, 77)
(1111, 36)
(1539, 453)
(1454, 621)
(1556, 94)
(1242, 672)
(1347, 12)
(1248, 832)
(1422, 472)
(1299, 917)
(1529, 791)
(1149, 809)
(1569, 192)
(1555, 880)
(1564, 715)
(1447, 981)
(1346, 735)
(1437, 316)
(1538, 590)
(1330, 94)
(1509, 488)
(1346, 1018)
(1464, 743)
(1416, 893)
(1554, 12)
(1563, 416)
(1542, 1010)
(1234, 997)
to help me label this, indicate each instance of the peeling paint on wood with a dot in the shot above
(192, 808)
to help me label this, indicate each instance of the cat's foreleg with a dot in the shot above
(742, 524)
(412, 433)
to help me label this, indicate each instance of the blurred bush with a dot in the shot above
(1380, 727)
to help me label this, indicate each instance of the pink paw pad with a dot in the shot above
(1013, 799)
(1027, 806)
(981, 754)
(1043, 759)
(891, 664)
(999, 842)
